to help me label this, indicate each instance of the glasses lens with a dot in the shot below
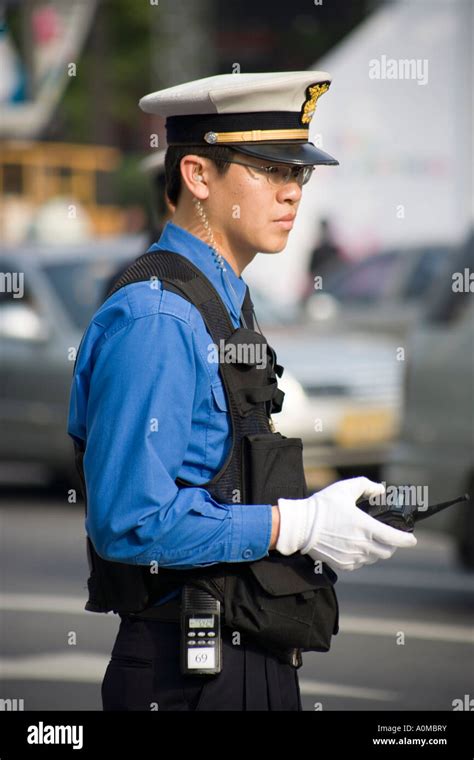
(307, 173)
(280, 175)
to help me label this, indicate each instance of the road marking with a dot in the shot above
(68, 605)
(413, 629)
(412, 579)
(320, 688)
(371, 626)
(88, 667)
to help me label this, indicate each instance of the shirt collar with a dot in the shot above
(176, 238)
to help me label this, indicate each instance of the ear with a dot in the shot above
(195, 175)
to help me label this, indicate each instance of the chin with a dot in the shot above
(277, 247)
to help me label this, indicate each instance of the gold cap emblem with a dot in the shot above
(309, 106)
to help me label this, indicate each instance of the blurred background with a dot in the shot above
(369, 308)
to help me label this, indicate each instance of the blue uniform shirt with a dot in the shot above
(150, 408)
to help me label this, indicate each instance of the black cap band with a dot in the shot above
(190, 129)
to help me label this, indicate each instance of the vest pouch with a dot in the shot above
(282, 603)
(115, 586)
(253, 380)
(272, 468)
(112, 586)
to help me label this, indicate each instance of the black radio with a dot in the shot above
(201, 643)
(401, 513)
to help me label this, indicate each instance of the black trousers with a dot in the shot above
(144, 674)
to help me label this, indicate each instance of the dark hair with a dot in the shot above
(219, 154)
(159, 189)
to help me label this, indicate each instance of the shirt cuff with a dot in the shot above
(251, 531)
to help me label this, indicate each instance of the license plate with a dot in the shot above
(363, 427)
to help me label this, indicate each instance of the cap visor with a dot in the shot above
(300, 153)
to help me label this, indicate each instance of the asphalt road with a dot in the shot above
(406, 625)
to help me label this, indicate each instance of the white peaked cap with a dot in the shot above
(262, 114)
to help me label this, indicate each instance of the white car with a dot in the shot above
(343, 395)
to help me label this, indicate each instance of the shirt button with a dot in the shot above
(247, 553)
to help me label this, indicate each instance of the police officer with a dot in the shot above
(149, 408)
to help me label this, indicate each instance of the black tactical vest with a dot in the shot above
(261, 465)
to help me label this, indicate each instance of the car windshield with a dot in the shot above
(430, 264)
(453, 295)
(82, 285)
(367, 281)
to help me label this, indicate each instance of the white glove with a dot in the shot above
(330, 527)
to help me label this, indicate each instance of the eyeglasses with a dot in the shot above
(280, 175)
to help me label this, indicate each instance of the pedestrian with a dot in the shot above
(325, 261)
(201, 534)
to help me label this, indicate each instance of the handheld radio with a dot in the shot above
(201, 643)
(402, 514)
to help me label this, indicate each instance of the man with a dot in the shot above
(326, 259)
(151, 413)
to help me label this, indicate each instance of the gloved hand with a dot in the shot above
(330, 527)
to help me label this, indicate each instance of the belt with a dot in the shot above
(169, 612)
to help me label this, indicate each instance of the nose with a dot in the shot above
(289, 191)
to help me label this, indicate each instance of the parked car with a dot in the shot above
(343, 395)
(39, 335)
(385, 292)
(436, 447)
